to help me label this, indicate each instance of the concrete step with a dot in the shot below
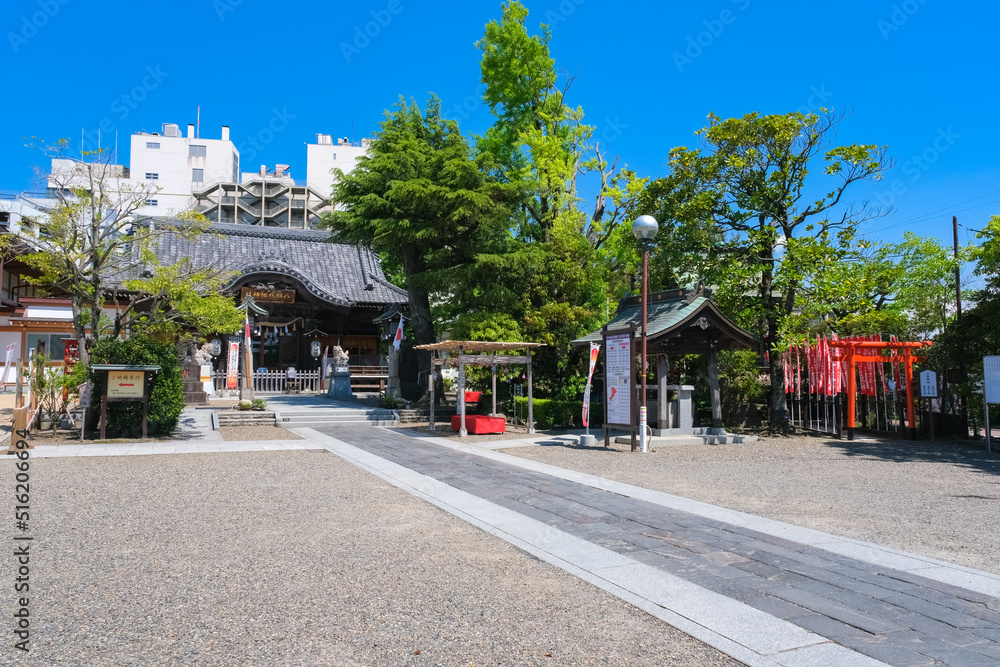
(313, 422)
(324, 416)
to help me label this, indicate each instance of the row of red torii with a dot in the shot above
(860, 350)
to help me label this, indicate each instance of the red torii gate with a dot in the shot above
(853, 357)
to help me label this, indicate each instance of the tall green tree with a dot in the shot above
(420, 200)
(740, 206)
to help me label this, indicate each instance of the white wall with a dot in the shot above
(321, 159)
(173, 165)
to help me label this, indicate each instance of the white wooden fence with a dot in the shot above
(273, 382)
(363, 378)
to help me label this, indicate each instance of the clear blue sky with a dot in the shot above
(920, 76)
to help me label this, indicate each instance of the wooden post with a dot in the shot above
(494, 413)
(911, 418)
(104, 406)
(430, 380)
(852, 388)
(461, 390)
(662, 404)
(713, 385)
(145, 403)
(531, 413)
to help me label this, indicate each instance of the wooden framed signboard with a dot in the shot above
(619, 382)
(125, 383)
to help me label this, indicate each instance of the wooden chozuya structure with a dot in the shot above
(461, 350)
(680, 321)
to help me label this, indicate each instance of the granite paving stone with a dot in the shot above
(890, 615)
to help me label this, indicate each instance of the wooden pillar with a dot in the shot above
(662, 404)
(531, 414)
(494, 413)
(430, 380)
(713, 387)
(852, 387)
(461, 391)
(911, 418)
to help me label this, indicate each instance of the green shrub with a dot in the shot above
(166, 390)
(258, 404)
(550, 413)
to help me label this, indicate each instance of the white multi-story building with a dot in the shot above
(324, 156)
(181, 166)
(193, 173)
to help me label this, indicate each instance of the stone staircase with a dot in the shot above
(325, 416)
(417, 415)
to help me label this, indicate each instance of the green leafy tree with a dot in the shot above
(738, 214)
(420, 200)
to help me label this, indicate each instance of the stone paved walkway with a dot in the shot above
(890, 615)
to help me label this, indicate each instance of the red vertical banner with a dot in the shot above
(232, 366)
(798, 373)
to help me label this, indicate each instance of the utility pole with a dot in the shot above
(958, 318)
(958, 269)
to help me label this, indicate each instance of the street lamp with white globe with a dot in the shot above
(644, 228)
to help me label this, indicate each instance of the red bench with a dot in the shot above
(479, 424)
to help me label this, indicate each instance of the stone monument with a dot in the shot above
(340, 378)
(194, 388)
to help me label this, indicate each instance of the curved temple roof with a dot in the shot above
(339, 274)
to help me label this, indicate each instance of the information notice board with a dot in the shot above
(618, 373)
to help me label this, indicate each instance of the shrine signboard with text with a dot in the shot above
(125, 383)
(268, 295)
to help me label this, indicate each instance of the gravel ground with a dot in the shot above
(296, 558)
(937, 499)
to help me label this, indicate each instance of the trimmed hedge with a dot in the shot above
(550, 413)
(166, 397)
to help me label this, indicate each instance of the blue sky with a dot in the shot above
(919, 76)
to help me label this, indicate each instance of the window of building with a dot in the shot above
(197, 151)
(152, 144)
(197, 175)
(4, 217)
(236, 168)
(53, 346)
(152, 176)
(334, 156)
(150, 202)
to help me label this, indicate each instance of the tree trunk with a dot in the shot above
(777, 408)
(420, 319)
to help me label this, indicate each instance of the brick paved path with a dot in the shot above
(892, 616)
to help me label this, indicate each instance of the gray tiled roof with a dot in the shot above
(670, 318)
(344, 275)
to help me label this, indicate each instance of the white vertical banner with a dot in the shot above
(594, 351)
(6, 365)
(618, 379)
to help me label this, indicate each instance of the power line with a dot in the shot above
(927, 216)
